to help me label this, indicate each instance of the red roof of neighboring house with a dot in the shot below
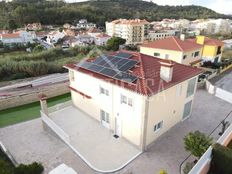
(12, 35)
(130, 21)
(102, 35)
(209, 41)
(148, 73)
(173, 43)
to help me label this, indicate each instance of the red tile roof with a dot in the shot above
(102, 35)
(148, 73)
(209, 41)
(173, 43)
(12, 35)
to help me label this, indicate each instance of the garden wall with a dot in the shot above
(50, 91)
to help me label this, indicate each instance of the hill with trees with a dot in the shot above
(19, 12)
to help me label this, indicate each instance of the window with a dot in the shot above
(123, 99)
(105, 116)
(196, 54)
(157, 54)
(130, 103)
(185, 56)
(191, 87)
(158, 126)
(187, 109)
(166, 56)
(71, 74)
(104, 91)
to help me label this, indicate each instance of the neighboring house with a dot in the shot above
(33, 26)
(212, 48)
(93, 32)
(136, 96)
(20, 37)
(101, 39)
(84, 24)
(228, 43)
(82, 40)
(173, 48)
(54, 36)
(161, 34)
(133, 31)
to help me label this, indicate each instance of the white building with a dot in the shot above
(133, 31)
(20, 37)
(84, 24)
(54, 36)
(162, 34)
(101, 39)
(127, 98)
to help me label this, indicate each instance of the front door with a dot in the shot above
(118, 129)
(105, 119)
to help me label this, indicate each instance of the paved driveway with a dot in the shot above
(28, 142)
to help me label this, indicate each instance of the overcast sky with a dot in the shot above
(221, 6)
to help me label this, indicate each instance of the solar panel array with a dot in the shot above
(112, 66)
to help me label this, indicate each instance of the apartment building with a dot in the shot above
(212, 48)
(161, 34)
(173, 48)
(19, 37)
(135, 96)
(134, 30)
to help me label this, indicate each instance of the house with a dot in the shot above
(212, 48)
(160, 34)
(135, 96)
(133, 31)
(19, 37)
(93, 32)
(173, 48)
(54, 36)
(82, 40)
(101, 39)
(84, 24)
(33, 26)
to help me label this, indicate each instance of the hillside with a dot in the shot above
(17, 13)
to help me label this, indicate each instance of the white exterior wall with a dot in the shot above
(101, 40)
(11, 40)
(131, 117)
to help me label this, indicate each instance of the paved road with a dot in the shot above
(28, 141)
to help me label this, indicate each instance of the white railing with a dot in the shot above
(65, 137)
(4, 149)
(204, 162)
(224, 95)
(59, 106)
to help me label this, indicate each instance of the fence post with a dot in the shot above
(43, 103)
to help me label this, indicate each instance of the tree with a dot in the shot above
(38, 48)
(114, 43)
(197, 143)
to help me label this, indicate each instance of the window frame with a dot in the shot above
(191, 89)
(156, 54)
(158, 126)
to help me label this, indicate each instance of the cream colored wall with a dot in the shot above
(168, 107)
(173, 55)
(176, 56)
(131, 117)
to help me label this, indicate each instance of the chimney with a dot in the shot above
(166, 71)
(182, 37)
(201, 40)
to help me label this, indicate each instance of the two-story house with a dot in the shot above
(172, 48)
(136, 96)
(212, 48)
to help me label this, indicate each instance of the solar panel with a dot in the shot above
(126, 77)
(95, 68)
(124, 55)
(128, 65)
(84, 64)
(108, 72)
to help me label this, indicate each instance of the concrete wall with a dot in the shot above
(50, 91)
(167, 106)
(130, 117)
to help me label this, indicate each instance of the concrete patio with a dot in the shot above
(94, 143)
(225, 82)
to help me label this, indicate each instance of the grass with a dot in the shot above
(27, 112)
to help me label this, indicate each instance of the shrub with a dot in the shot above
(162, 172)
(34, 168)
(222, 159)
(5, 168)
(197, 143)
(188, 167)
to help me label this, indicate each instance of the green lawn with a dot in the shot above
(27, 112)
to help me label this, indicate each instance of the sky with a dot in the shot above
(221, 6)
